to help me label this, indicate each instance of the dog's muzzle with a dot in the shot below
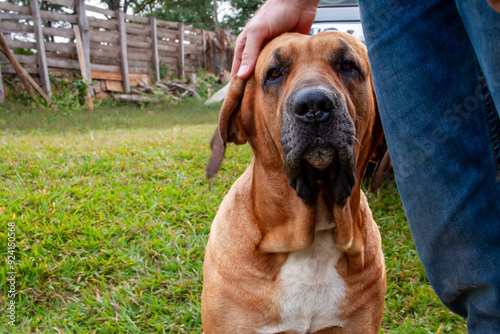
(317, 136)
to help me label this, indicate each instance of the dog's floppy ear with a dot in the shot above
(228, 129)
(375, 138)
(348, 235)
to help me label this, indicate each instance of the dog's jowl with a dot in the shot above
(293, 247)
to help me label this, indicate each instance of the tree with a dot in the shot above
(243, 11)
(136, 5)
(198, 13)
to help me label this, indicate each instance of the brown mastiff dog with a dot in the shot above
(293, 247)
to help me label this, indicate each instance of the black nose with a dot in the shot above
(312, 105)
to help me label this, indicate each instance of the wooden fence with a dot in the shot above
(114, 43)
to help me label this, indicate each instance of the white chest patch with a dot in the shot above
(313, 290)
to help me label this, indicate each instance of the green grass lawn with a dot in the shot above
(112, 213)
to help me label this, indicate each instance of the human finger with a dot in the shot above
(238, 52)
(255, 37)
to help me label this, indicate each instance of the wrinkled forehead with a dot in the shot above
(288, 49)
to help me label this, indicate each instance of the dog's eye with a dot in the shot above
(274, 73)
(347, 66)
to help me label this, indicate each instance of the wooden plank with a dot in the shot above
(60, 47)
(132, 42)
(83, 69)
(65, 3)
(168, 59)
(111, 24)
(140, 63)
(8, 6)
(139, 69)
(167, 24)
(105, 68)
(172, 43)
(7, 26)
(154, 47)
(193, 48)
(105, 53)
(138, 29)
(9, 16)
(114, 86)
(106, 60)
(21, 72)
(167, 33)
(14, 44)
(43, 71)
(196, 39)
(138, 32)
(140, 78)
(140, 40)
(136, 18)
(134, 78)
(137, 54)
(137, 25)
(192, 56)
(180, 71)
(204, 41)
(61, 32)
(63, 63)
(99, 75)
(24, 59)
(53, 16)
(84, 28)
(106, 12)
(168, 48)
(123, 49)
(2, 92)
(9, 69)
(99, 46)
(105, 37)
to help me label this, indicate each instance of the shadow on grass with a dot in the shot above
(109, 115)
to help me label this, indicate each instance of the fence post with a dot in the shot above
(204, 42)
(123, 50)
(180, 71)
(2, 92)
(154, 45)
(83, 25)
(43, 70)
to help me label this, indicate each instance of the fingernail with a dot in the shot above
(242, 71)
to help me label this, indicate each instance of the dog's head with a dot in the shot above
(310, 110)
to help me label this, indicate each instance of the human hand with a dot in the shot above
(272, 19)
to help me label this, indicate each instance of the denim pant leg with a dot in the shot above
(442, 131)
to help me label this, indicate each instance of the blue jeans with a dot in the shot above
(436, 70)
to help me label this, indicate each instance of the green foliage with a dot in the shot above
(69, 96)
(198, 13)
(244, 10)
(19, 51)
(163, 70)
(208, 84)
